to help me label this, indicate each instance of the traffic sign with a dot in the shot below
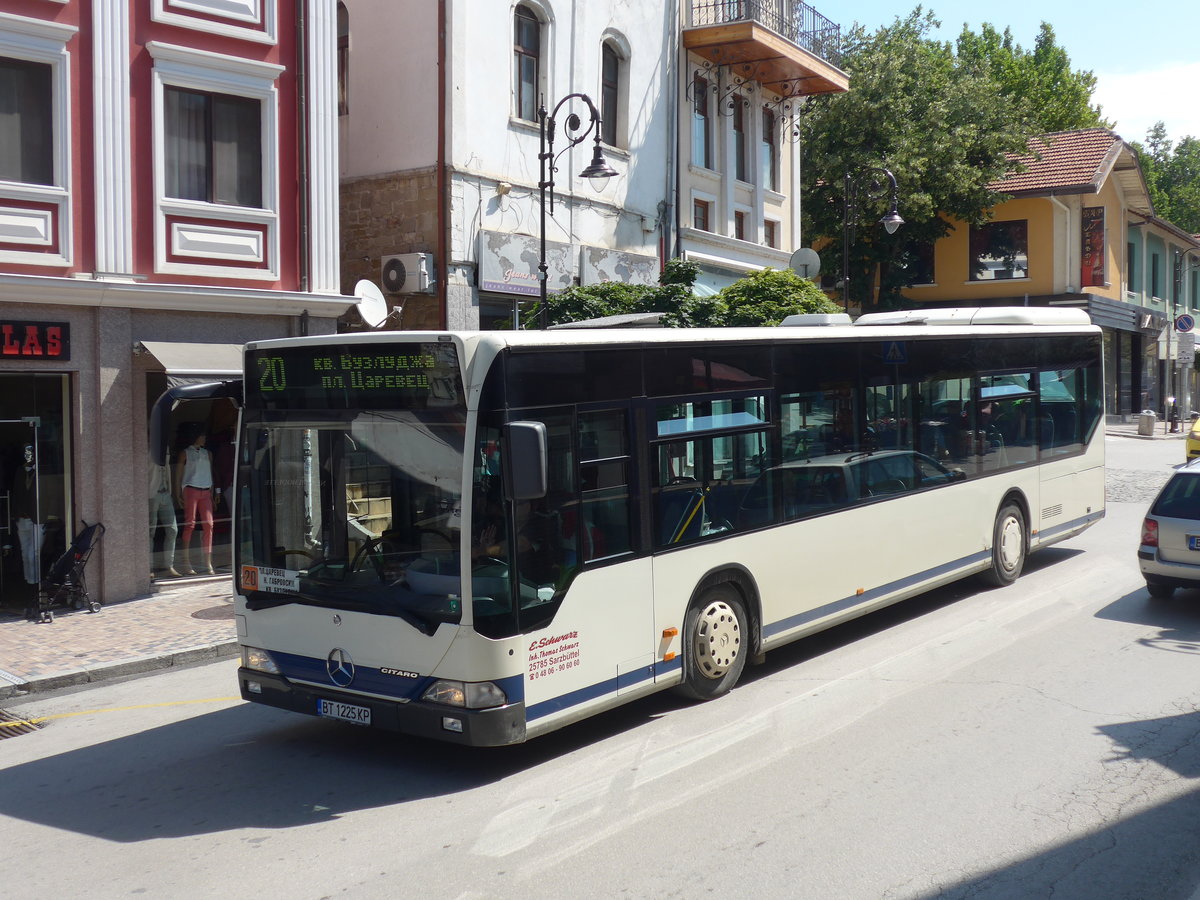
(895, 352)
(1184, 323)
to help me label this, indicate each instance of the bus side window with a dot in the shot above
(603, 524)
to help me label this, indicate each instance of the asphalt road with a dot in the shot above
(1034, 741)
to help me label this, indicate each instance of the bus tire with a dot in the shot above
(1010, 545)
(717, 643)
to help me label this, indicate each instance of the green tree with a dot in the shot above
(770, 296)
(941, 127)
(762, 298)
(1040, 84)
(1172, 173)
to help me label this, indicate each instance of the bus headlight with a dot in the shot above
(259, 660)
(470, 694)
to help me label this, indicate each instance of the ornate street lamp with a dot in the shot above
(870, 186)
(598, 169)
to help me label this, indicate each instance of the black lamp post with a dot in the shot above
(575, 133)
(870, 186)
(1181, 270)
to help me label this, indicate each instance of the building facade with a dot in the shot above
(168, 191)
(1079, 230)
(441, 180)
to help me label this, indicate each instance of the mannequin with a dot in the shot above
(194, 492)
(24, 505)
(162, 512)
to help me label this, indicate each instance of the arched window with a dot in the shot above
(610, 93)
(343, 59)
(527, 60)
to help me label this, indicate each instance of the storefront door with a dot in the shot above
(35, 482)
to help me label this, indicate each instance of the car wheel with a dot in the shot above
(1159, 591)
(716, 642)
(1009, 546)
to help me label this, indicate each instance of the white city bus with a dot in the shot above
(481, 537)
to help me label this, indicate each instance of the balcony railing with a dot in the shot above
(790, 19)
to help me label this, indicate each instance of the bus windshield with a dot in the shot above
(354, 510)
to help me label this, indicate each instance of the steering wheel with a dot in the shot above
(302, 552)
(374, 551)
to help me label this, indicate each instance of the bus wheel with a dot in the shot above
(1008, 546)
(716, 643)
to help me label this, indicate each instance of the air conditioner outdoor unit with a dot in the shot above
(407, 273)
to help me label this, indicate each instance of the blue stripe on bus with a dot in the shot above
(591, 692)
(373, 681)
(837, 606)
(366, 680)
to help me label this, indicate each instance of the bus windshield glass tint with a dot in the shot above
(354, 511)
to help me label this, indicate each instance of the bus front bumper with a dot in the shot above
(479, 727)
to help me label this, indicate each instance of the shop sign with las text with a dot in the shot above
(35, 340)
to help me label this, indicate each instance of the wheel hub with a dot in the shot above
(718, 639)
(1011, 541)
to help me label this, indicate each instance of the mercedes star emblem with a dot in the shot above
(340, 667)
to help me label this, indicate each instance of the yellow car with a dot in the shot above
(1193, 440)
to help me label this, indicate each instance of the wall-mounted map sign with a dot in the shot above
(508, 264)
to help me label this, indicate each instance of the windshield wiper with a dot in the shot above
(269, 599)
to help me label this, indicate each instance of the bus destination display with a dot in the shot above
(396, 376)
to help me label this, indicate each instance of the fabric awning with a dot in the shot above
(188, 363)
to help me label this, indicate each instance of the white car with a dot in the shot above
(1169, 554)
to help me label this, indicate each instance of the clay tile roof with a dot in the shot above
(1063, 162)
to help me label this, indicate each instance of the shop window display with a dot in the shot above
(191, 486)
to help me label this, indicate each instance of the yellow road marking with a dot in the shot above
(37, 720)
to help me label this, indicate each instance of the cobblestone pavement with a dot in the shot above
(190, 622)
(183, 623)
(1129, 485)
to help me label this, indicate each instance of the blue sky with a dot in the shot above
(1145, 55)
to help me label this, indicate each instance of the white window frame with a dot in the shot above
(711, 200)
(778, 232)
(247, 20)
(36, 40)
(202, 70)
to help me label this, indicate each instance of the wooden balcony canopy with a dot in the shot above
(758, 53)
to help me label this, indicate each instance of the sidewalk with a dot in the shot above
(1161, 431)
(176, 625)
(179, 624)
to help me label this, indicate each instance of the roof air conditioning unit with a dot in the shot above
(407, 273)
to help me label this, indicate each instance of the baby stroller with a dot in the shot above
(66, 583)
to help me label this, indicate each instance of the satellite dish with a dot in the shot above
(371, 305)
(805, 262)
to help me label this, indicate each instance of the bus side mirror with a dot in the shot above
(525, 452)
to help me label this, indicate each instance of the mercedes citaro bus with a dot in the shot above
(481, 537)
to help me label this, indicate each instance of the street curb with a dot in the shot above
(106, 671)
(1145, 437)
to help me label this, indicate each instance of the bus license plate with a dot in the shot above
(1193, 541)
(347, 712)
